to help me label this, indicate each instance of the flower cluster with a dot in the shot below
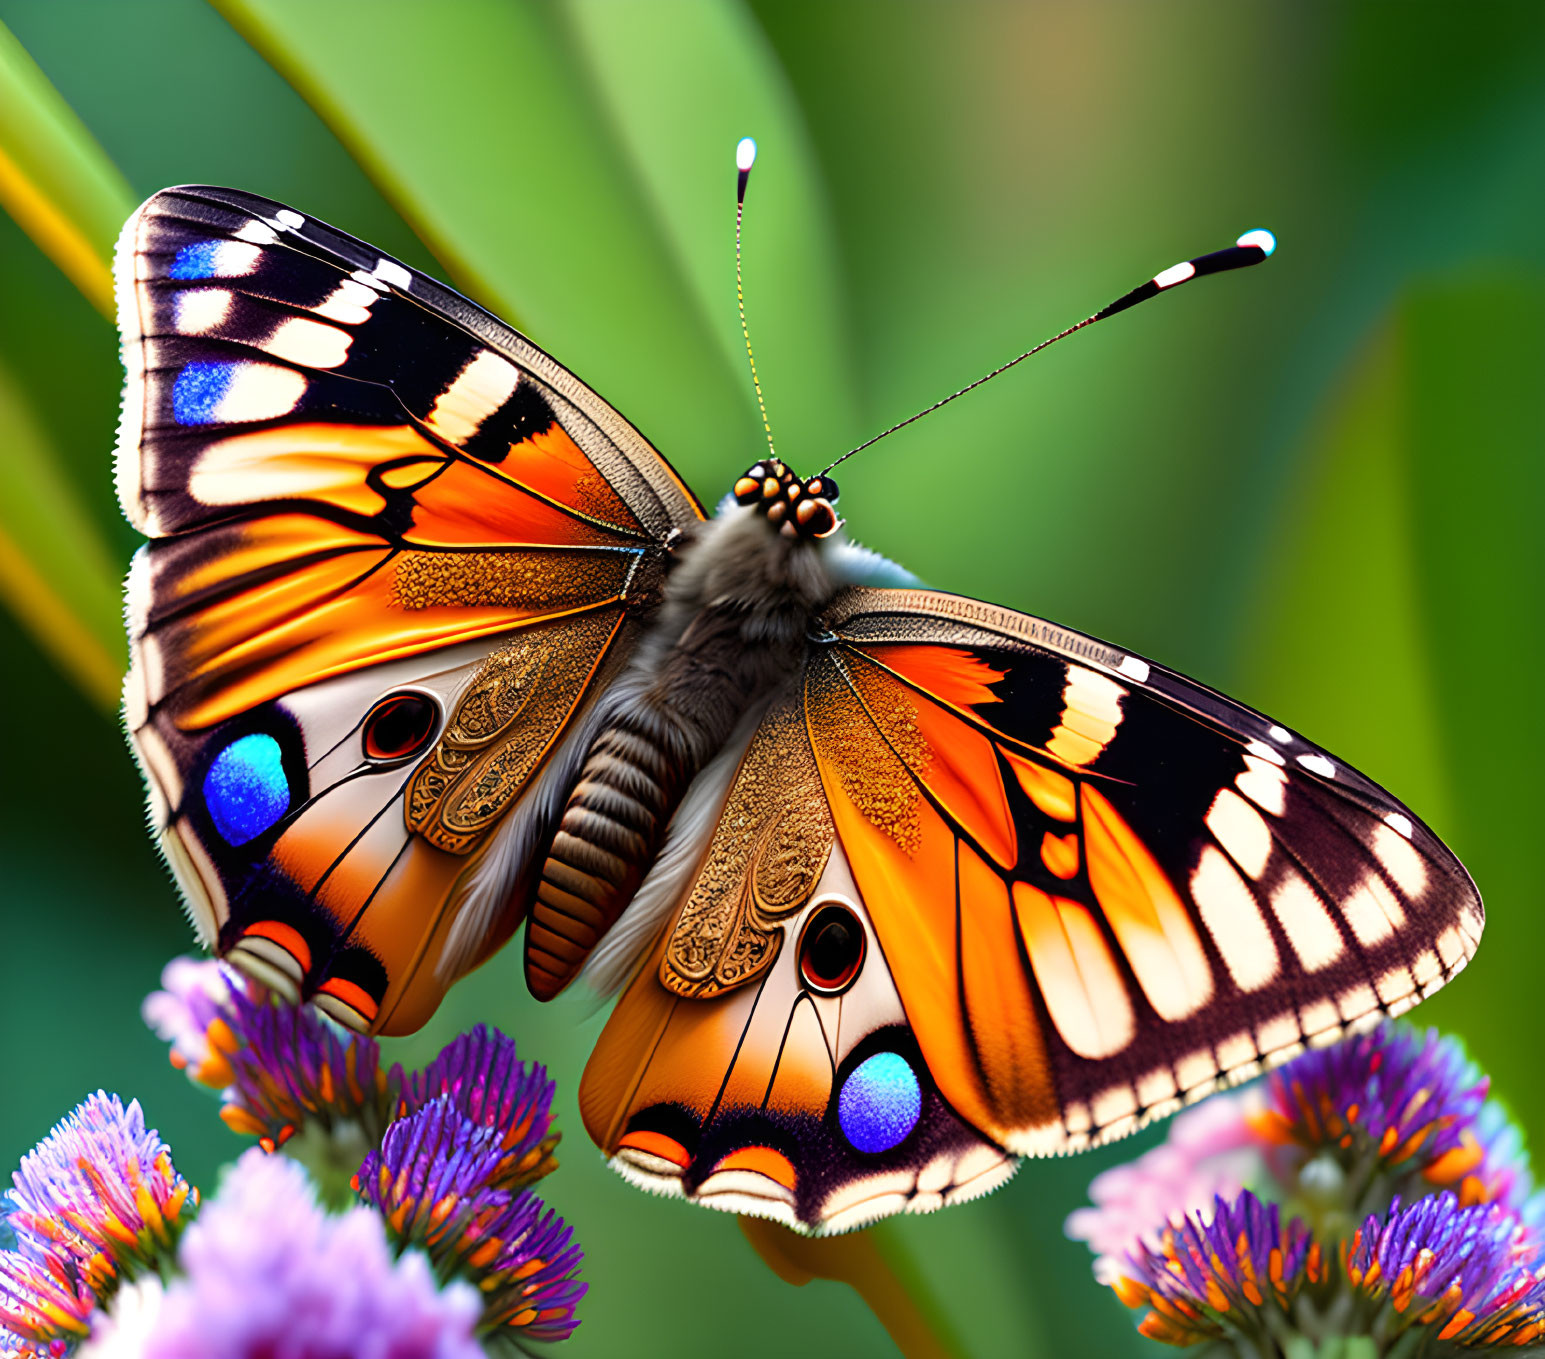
(1370, 1189)
(437, 1180)
(265, 1259)
(280, 1068)
(445, 1247)
(96, 1202)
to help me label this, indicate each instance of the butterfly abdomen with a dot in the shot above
(610, 831)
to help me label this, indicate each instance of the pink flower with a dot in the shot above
(1211, 1153)
(191, 1013)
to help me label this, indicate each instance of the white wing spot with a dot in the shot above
(290, 218)
(1109, 1105)
(1240, 829)
(1233, 918)
(1155, 1086)
(475, 393)
(1397, 821)
(1192, 1071)
(1318, 764)
(256, 233)
(1279, 1032)
(1401, 860)
(1367, 912)
(1262, 751)
(1135, 668)
(1264, 784)
(1236, 1051)
(197, 311)
(312, 344)
(1090, 715)
(349, 302)
(390, 272)
(1281, 735)
(1307, 924)
(1319, 1017)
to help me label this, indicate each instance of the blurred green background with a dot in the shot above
(1318, 485)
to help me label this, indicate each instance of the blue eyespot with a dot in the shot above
(246, 789)
(198, 391)
(200, 259)
(880, 1102)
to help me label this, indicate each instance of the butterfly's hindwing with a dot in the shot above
(724, 1076)
(362, 491)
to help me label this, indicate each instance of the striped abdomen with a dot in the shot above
(610, 832)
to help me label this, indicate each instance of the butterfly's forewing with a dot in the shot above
(1107, 886)
(1094, 890)
(394, 546)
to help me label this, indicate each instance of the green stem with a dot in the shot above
(877, 1271)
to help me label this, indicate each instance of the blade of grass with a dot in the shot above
(55, 180)
(498, 156)
(1333, 640)
(56, 571)
(1472, 347)
(682, 82)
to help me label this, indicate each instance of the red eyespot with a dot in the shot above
(831, 950)
(400, 726)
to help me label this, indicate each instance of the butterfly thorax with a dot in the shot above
(730, 633)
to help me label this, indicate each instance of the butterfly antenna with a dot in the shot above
(1251, 248)
(745, 158)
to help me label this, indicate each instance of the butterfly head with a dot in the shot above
(797, 509)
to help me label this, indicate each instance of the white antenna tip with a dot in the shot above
(745, 154)
(1260, 238)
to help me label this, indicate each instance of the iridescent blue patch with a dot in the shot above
(198, 391)
(200, 259)
(246, 789)
(880, 1102)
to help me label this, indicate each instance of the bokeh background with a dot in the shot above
(1319, 485)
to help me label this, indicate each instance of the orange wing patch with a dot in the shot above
(268, 604)
(951, 675)
(1145, 912)
(991, 1081)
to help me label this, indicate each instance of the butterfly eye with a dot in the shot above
(400, 726)
(824, 487)
(831, 951)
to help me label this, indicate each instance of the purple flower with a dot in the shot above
(529, 1284)
(1210, 1153)
(1226, 1266)
(101, 1191)
(293, 1067)
(1468, 1271)
(439, 1183)
(493, 1088)
(281, 1066)
(45, 1303)
(1400, 1100)
(192, 1013)
(433, 1173)
(267, 1273)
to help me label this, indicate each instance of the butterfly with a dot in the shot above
(897, 886)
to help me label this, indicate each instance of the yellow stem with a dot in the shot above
(56, 626)
(56, 236)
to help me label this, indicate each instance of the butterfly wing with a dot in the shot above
(395, 547)
(1090, 890)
